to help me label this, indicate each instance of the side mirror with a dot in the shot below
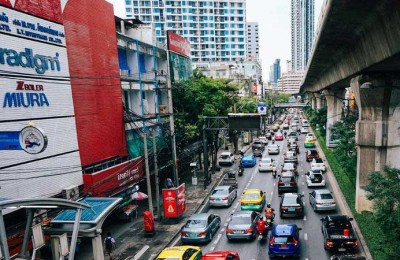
(322, 219)
(310, 193)
(299, 228)
(301, 195)
(350, 219)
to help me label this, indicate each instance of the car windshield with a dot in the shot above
(250, 196)
(288, 166)
(290, 201)
(326, 196)
(283, 239)
(241, 219)
(195, 223)
(224, 156)
(220, 192)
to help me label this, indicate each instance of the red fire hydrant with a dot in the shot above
(148, 220)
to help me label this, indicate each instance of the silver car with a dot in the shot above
(322, 200)
(226, 158)
(223, 196)
(273, 149)
(243, 225)
(266, 164)
(200, 228)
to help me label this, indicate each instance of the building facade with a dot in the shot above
(215, 28)
(302, 32)
(253, 45)
(290, 82)
(275, 72)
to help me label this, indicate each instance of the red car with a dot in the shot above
(278, 137)
(221, 255)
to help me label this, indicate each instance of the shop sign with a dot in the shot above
(178, 44)
(174, 200)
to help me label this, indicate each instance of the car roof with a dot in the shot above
(200, 216)
(318, 160)
(176, 251)
(281, 230)
(287, 174)
(269, 146)
(226, 153)
(266, 158)
(220, 254)
(222, 187)
(293, 195)
(251, 191)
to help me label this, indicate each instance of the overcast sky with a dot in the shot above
(273, 17)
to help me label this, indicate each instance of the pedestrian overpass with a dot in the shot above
(290, 105)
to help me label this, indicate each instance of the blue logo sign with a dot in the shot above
(10, 141)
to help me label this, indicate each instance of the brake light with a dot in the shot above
(295, 242)
(280, 182)
(299, 209)
(333, 203)
(318, 203)
(284, 208)
(211, 199)
(329, 243)
(242, 203)
(271, 241)
(293, 183)
(249, 230)
(356, 243)
(228, 230)
(203, 234)
(225, 198)
(184, 234)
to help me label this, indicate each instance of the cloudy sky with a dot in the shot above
(273, 17)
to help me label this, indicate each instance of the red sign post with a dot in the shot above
(174, 201)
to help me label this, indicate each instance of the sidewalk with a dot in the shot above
(130, 237)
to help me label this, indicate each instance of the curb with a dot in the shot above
(343, 205)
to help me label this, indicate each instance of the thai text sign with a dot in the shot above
(174, 201)
(178, 44)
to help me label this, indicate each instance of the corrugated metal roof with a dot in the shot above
(99, 207)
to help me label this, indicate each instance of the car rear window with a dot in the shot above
(223, 156)
(195, 223)
(283, 239)
(250, 196)
(290, 201)
(266, 160)
(326, 196)
(220, 192)
(318, 160)
(241, 219)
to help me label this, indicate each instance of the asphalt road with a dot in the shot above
(311, 242)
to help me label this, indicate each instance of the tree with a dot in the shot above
(383, 189)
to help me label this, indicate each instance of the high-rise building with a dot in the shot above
(216, 29)
(302, 33)
(275, 72)
(290, 81)
(253, 45)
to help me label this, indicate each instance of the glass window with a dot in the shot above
(128, 2)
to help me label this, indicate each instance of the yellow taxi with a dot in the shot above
(180, 253)
(253, 199)
(275, 127)
(309, 142)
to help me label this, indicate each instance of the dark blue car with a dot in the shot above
(249, 160)
(284, 240)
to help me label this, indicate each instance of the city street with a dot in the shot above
(311, 236)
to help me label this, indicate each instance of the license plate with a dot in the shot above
(342, 249)
(193, 235)
(218, 199)
(238, 231)
(291, 209)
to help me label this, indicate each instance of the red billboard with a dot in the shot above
(178, 44)
(114, 179)
(174, 201)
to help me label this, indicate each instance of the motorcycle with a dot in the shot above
(270, 223)
(262, 236)
(274, 172)
(241, 170)
(269, 216)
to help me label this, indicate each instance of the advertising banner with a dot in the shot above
(174, 201)
(170, 201)
(178, 44)
(181, 67)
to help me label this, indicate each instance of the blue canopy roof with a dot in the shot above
(99, 207)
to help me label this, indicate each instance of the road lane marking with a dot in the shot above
(218, 238)
(141, 252)
(305, 236)
(305, 218)
(212, 248)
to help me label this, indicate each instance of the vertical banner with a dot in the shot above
(181, 199)
(170, 201)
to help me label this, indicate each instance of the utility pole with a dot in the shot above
(171, 123)
(156, 174)
(146, 160)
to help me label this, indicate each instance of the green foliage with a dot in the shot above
(384, 191)
(246, 105)
(317, 118)
(196, 98)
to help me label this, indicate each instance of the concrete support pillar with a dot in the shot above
(377, 130)
(313, 101)
(97, 245)
(318, 101)
(334, 102)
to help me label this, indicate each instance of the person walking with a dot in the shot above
(109, 243)
(169, 183)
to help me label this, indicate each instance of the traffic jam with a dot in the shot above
(274, 200)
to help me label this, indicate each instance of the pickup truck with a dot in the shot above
(338, 234)
(229, 178)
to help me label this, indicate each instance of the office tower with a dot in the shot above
(302, 32)
(275, 73)
(215, 28)
(252, 40)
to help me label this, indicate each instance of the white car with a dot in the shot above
(318, 164)
(315, 178)
(226, 158)
(305, 123)
(311, 136)
(273, 149)
(266, 164)
(263, 140)
(304, 129)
